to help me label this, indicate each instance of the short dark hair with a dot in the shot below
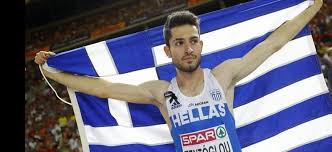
(177, 19)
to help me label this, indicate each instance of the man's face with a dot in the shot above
(185, 48)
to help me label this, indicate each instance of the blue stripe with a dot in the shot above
(155, 36)
(131, 52)
(145, 115)
(133, 148)
(305, 111)
(276, 79)
(214, 59)
(75, 61)
(240, 13)
(229, 16)
(167, 72)
(323, 145)
(95, 111)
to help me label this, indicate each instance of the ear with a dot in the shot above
(167, 51)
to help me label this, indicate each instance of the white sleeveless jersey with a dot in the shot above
(202, 122)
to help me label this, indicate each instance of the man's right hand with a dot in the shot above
(42, 56)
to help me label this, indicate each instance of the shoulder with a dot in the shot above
(156, 83)
(224, 73)
(226, 67)
(157, 88)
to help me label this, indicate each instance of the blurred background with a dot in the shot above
(63, 25)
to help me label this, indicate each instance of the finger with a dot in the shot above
(44, 55)
(40, 53)
(39, 61)
(36, 58)
(48, 54)
(36, 61)
(52, 53)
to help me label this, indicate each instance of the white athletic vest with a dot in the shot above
(203, 122)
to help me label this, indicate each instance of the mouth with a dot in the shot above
(189, 58)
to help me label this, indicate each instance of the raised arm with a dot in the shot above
(144, 93)
(239, 68)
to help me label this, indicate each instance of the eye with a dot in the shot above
(178, 43)
(194, 41)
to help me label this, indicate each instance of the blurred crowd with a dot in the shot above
(321, 29)
(50, 124)
(100, 24)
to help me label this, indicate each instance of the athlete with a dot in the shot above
(197, 104)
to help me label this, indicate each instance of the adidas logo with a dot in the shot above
(173, 100)
(174, 103)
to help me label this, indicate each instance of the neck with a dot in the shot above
(190, 81)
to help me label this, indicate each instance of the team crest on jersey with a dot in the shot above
(215, 94)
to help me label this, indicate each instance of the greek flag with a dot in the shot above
(284, 105)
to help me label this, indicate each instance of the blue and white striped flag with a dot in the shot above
(283, 105)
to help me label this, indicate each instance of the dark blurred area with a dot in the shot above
(42, 12)
(60, 25)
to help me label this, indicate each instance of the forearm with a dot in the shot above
(88, 85)
(105, 89)
(273, 43)
(291, 28)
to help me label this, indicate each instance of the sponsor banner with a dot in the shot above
(213, 139)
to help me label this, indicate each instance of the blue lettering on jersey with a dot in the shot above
(198, 113)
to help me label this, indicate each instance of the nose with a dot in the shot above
(188, 48)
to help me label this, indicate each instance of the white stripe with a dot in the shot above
(79, 120)
(101, 59)
(135, 77)
(159, 55)
(280, 100)
(239, 33)
(294, 50)
(118, 135)
(300, 135)
(119, 109)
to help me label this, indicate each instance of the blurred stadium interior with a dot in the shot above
(63, 25)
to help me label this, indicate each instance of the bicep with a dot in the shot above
(253, 59)
(143, 93)
(226, 72)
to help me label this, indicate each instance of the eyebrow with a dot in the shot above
(193, 37)
(178, 39)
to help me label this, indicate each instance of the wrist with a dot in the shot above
(318, 4)
(50, 69)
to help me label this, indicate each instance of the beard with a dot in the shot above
(189, 68)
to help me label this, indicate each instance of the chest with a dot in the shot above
(209, 104)
(191, 92)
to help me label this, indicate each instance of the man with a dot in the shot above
(198, 103)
